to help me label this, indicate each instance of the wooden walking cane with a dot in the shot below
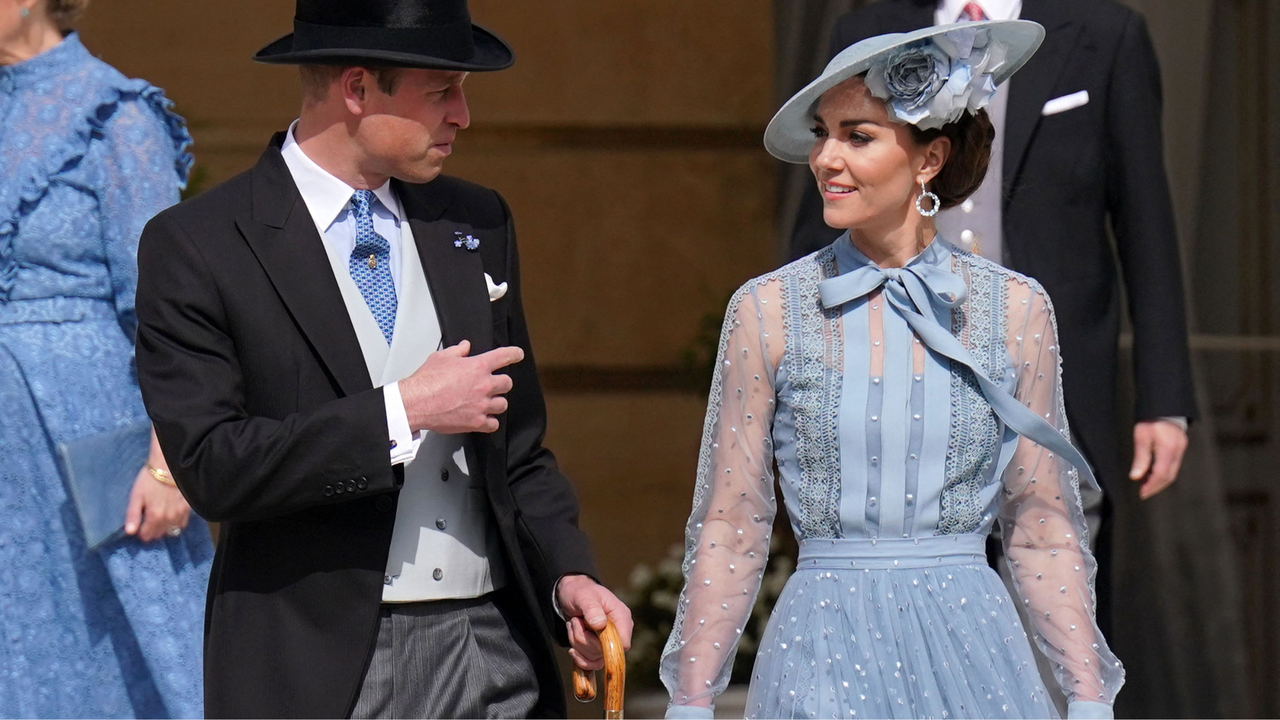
(615, 675)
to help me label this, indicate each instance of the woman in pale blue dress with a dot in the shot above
(87, 156)
(910, 396)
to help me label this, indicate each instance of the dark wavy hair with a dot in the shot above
(971, 137)
(64, 13)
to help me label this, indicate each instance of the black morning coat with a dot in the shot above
(252, 373)
(1064, 176)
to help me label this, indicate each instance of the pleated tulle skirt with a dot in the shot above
(895, 637)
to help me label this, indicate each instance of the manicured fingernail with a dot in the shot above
(130, 529)
(596, 620)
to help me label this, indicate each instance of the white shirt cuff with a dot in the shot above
(404, 445)
(1179, 421)
(555, 599)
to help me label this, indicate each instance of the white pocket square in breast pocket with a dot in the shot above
(1066, 102)
(495, 291)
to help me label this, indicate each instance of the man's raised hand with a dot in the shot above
(452, 393)
(588, 607)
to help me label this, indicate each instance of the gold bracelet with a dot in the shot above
(161, 475)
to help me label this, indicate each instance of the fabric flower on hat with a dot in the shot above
(935, 82)
(909, 79)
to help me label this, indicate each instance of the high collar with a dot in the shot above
(925, 286)
(325, 195)
(51, 63)
(849, 257)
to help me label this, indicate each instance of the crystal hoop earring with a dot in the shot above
(934, 203)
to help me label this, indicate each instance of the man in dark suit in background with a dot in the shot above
(333, 349)
(1078, 149)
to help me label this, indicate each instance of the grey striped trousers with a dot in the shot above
(447, 659)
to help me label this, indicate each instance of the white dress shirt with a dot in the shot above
(442, 540)
(977, 224)
(328, 199)
(949, 11)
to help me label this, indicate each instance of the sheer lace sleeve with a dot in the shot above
(1045, 536)
(144, 165)
(727, 537)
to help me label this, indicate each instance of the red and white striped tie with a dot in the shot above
(972, 12)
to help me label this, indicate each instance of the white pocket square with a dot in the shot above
(495, 291)
(1066, 102)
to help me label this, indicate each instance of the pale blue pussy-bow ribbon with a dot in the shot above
(917, 292)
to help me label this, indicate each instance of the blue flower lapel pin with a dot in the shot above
(468, 241)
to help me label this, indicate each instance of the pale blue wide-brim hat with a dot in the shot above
(789, 136)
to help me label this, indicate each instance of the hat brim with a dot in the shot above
(789, 136)
(491, 53)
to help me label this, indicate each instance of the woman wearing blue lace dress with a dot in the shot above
(909, 393)
(87, 156)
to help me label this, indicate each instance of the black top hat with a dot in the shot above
(436, 34)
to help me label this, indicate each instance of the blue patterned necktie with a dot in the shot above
(370, 265)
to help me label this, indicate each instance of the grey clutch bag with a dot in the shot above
(100, 471)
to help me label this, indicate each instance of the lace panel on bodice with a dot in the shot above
(814, 358)
(975, 431)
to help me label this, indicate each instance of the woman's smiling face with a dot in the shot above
(867, 168)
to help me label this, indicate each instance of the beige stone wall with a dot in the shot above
(627, 141)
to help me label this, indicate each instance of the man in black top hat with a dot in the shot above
(333, 349)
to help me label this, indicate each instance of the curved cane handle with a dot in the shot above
(615, 674)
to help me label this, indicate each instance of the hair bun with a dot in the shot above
(64, 13)
(966, 167)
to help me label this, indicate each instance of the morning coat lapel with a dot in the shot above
(896, 16)
(1032, 86)
(455, 274)
(909, 16)
(283, 237)
(456, 277)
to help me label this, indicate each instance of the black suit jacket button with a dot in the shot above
(351, 486)
(339, 488)
(444, 474)
(328, 491)
(383, 503)
(362, 483)
(438, 574)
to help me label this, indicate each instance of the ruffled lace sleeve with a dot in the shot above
(142, 154)
(727, 537)
(1045, 536)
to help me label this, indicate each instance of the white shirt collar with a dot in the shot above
(949, 11)
(325, 195)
